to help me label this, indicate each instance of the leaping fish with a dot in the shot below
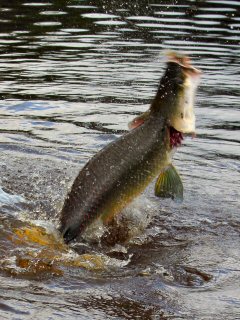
(123, 169)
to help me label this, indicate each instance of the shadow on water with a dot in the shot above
(73, 74)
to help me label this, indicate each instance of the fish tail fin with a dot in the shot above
(169, 184)
(69, 233)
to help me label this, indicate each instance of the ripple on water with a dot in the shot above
(169, 13)
(52, 13)
(37, 4)
(74, 30)
(225, 3)
(110, 23)
(219, 9)
(99, 16)
(47, 23)
(81, 7)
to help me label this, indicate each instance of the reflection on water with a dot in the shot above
(73, 74)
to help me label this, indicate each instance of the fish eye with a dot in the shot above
(180, 81)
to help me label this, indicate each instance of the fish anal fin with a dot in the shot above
(169, 184)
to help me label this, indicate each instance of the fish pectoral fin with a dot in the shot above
(139, 120)
(169, 185)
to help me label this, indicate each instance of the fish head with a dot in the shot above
(176, 93)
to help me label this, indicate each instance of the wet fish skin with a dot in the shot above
(123, 169)
(115, 176)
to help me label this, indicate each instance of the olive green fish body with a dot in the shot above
(116, 175)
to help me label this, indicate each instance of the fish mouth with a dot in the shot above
(185, 62)
(183, 120)
(175, 137)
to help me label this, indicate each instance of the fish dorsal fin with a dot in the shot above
(169, 184)
(139, 120)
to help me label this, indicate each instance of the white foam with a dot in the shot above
(136, 217)
(9, 199)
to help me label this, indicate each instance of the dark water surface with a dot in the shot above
(73, 74)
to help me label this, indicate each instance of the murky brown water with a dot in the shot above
(73, 74)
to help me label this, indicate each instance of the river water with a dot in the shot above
(73, 74)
